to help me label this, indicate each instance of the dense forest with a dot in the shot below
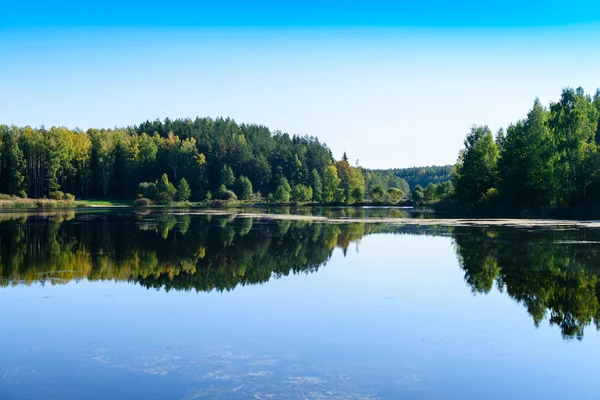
(548, 160)
(421, 176)
(553, 273)
(180, 160)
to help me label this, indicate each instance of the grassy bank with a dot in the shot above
(18, 203)
(104, 203)
(13, 202)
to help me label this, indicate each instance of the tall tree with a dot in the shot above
(13, 165)
(331, 182)
(476, 169)
(526, 161)
(317, 187)
(574, 121)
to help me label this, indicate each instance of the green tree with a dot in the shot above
(331, 181)
(227, 177)
(357, 185)
(377, 192)
(418, 195)
(243, 188)
(301, 193)
(183, 191)
(283, 192)
(394, 195)
(476, 169)
(344, 171)
(165, 191)
(317, 187)
(13, 165)
(574, 122)
(430, 193)
(526, 161)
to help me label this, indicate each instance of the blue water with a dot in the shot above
(391, 318)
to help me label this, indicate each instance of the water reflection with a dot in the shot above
(552, 273)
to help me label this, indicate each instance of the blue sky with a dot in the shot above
(392, 83)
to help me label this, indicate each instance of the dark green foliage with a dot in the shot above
(165, 191)
(12, 165)
(418, 195)
(376, 192)
(549, 159)
(283, 192)
(227, 177)
(407, 178)
(384, 178)
(183, 191)
(317, 187)
(147, 190)
(243, 188)
(111, 163)
(525, 164)
(476, 170)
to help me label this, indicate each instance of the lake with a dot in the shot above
(169, 305)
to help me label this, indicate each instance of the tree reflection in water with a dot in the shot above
(552, 272)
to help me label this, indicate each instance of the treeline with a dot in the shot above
(203, 158)
(550, 159)
(417, 176)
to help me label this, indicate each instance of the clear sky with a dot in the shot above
(392, 83)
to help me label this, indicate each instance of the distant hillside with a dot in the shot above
(419, 175)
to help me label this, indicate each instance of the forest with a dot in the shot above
(180, 160)
(421, 176)
(548, 160)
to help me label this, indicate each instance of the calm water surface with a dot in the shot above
(164, 305)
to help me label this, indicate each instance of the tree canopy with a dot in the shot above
(549, 159)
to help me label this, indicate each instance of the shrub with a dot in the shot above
(142, 202)
(208, 195)
(281, 195)
(257, 197)
(418, 194)
(394, 195)
(491, 196)
(147, 189)
(58, 195)
(69, 197)
(301, 193)
(225, 194)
